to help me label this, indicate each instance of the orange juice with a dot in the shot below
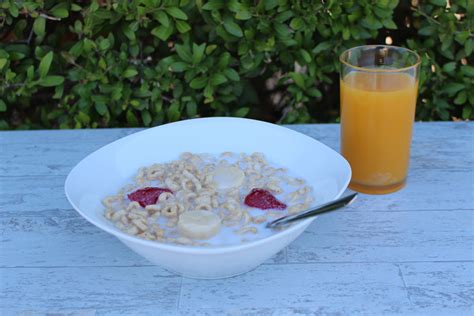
(377, 114)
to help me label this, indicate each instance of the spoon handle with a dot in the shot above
(325, 208)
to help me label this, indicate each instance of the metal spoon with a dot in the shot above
(328, 207)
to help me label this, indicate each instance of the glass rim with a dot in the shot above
(416, 64)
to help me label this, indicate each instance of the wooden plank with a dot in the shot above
(44, 159)
(61, 238)
(56, 152)
(386, 237)
(327, 131)
(431, 190)
(345, 289)
(99, 289)
(308, 289)
(367, 289)
(25, 195)
(441, 288)
(339, 237)
(55, 136)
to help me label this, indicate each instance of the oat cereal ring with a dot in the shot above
(246, 230)
(108, 201)
(133, 205)
(109, 213)
(153, 208)
(140, 223)
(165, 196)
(186, 156)
(170, 210)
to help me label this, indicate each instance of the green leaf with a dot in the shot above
(231, 74)
(243, 15)
(60, 10)
(184, 53)
(242, 112)
(270, 4)
(461, 37)
(182, 26)
(101, 108)
(314, 93)
(13, 10)
(232, 28)
(346, 34)
(285, 15)
(58, 92)
(469, 46)
(104, 44)
(51, 81)
(173, 112)
(179, 66)
(234, 5)
(3, 125)
(39, 26)
(128, 32)
(30, 73)
(321, 47)
(213, 5)
(461, 98)
(146, 118)
(162, 32)
(3, 62)
(130, 72)
(282, 30)
(208, 92)
(296, 23)
(441, 3)
(466, 112)
(191, 109)
(306, 56)
(389, 24)
(131, 118)
(452, 88)
(218, 79)
(426, 30)
(210, 49)
(371, 22)
(75, 7)
(449, 67)
(176, 13)
(467, 70)
(3, 106)
(162, 17)
(298, 79)
(198, 83)
(45, 64)
(224, 60)
(198, 53)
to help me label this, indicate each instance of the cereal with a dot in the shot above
(202, 182)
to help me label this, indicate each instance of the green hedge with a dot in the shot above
(105, 63)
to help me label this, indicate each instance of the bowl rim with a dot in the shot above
(193, 249)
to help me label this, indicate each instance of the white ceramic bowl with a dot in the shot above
(103, 172)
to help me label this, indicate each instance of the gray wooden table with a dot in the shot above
(406, 253)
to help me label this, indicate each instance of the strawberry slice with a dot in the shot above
(147, 196)
(264, 200)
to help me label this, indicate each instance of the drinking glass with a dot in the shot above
(379, 86)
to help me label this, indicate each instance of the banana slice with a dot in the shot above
(228, 177)
(199, 224)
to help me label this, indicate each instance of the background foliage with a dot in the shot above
(104, 63)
